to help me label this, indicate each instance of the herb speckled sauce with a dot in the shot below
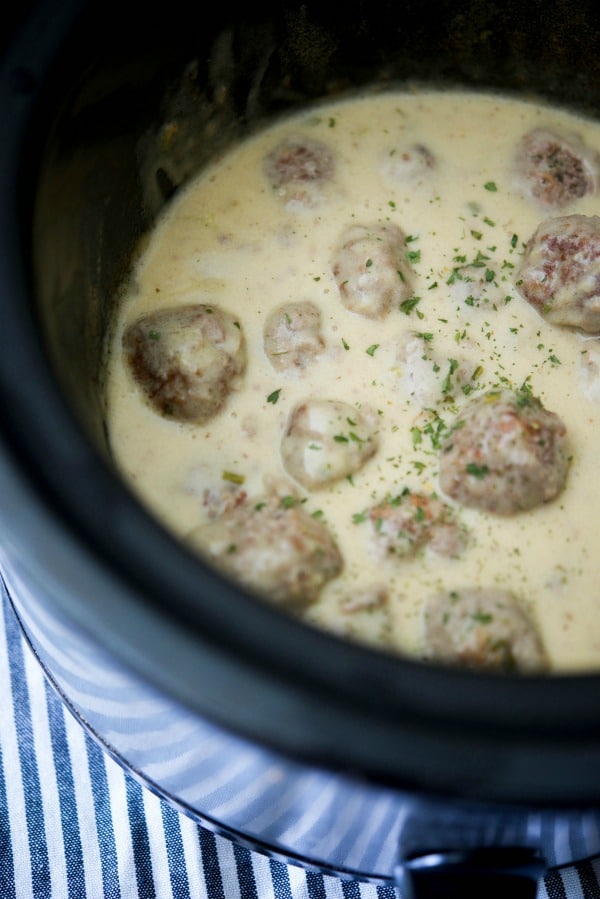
(441, 168)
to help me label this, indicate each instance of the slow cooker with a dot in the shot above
(312, 749)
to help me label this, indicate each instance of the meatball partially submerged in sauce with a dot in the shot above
(274, 547)
(298, 169)
(404, 524)
(555, 170)
(560, 271)
(371, 269)
(326, 440)
(186, 359)
(292, 336)
(484, 629)
(505, 453)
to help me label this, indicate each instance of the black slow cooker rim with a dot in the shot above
(379, 694)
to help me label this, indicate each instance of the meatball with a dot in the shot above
(186, 360)
(484, 629)
(555, 170)
(407, 165)
(326, 440)
(273, 547)
(292, 336)
(298, 169)
(560, 271)
(427, 376)
(371, 270)
(504, 453)
(403, 524)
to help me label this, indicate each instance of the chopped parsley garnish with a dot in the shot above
(408, 305)
(372, 349)
(273, 397)
(478, 471)
(491, 186)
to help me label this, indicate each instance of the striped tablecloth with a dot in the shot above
(75, 825)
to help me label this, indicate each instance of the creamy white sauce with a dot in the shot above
(228, 239)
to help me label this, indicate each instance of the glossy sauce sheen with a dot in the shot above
(228, 239)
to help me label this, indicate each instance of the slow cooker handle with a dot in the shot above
(499, 872)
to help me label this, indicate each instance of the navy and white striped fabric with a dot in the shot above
(75, 825)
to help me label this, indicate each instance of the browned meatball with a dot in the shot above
(485, 629)
(403, 524)
(292, 336)
(555, 170)
(274, 547)
(298, 168)
(371, 269)
(560, 271)
(186, 359)
(505, 453)
(326, 440)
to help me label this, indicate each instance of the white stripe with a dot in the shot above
(333, 887)
(228, 868)
(298, 886)
(158, 846)
(263, 876)
(13, 781)
(86, 812)
(47, 773)
(193, 858)
(121, 828)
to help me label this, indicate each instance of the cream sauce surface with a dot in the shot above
(228, 239)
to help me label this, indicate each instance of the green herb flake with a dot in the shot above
(491, 186)
(340, 438)
(233, 477)
(416, 434)
(273, 397)
(154, 335)
(372, 349)
(345, 344)
(478, 471)
(359, 517)
(408, 305)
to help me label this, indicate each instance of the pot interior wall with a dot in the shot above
(133, 111)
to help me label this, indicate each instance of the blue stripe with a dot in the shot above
(386, 892)
(316, 886)
(34, 811)
(555, 886)
(245, 872)
(210, 862)
(588, 880)
(66, 797)
(280, 879)
(7, 876)
(350, 889)
(177, 871)
(104, 825)
(140, 842)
